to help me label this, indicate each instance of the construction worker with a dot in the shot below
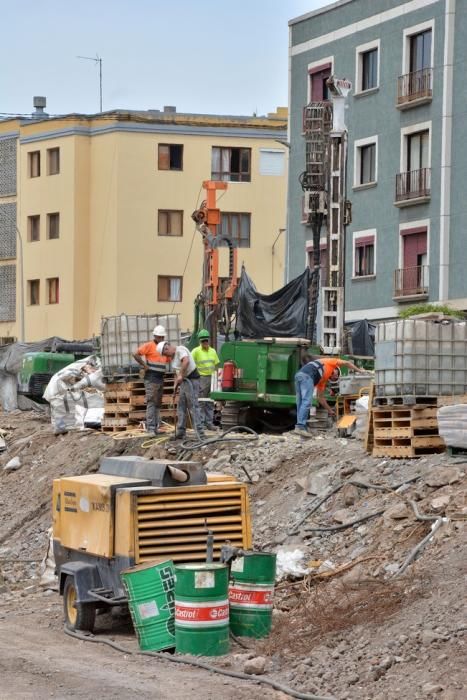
(154, 367)
(316, 374)
(188, 381)
(207, 361)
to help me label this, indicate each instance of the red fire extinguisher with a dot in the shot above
(228, 376)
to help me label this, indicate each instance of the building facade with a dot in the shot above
(407, 148)
(101, 206)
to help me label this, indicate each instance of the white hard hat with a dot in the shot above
(160, 331)
(161, 346)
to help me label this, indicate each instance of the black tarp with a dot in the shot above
(281, 314)
(362, 338)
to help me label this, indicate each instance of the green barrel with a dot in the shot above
(202, 609)
(254, 567)
(251, 594)
(150, 591)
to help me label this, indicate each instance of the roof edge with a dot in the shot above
(319, 11)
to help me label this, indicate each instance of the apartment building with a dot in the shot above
(407, 148)
(101, 205)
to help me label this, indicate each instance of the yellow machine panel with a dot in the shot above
(84, 511)
(173, 522)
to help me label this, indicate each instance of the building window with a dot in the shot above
(231, 164)
(418, 150)
(53, 225)
(420, 51)
(53, 161)
(412, 278)
(415, 84)
(169, 288)
(369, 69)
(170, 156)
(318, 74)
(366, 164)
(169, 223)
(367, 66)
(34, 163)
(53, 288)
(414, 180)
(237, 227)
(33, 292)
(364, 255)
(34, 228)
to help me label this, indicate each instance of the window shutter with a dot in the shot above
(271, 162)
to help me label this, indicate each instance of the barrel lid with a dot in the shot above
(201, 566)
(251, 553)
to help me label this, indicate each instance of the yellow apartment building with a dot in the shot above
(100, 208)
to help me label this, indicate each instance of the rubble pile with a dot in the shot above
(374, 608)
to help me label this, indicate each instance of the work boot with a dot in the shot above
(303, 432)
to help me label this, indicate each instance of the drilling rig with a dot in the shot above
(214, 304)
(324, 186)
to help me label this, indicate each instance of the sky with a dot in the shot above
(201, 56)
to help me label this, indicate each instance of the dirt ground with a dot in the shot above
(351, 629)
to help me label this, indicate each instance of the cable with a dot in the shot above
(198, 664)
(191, 247)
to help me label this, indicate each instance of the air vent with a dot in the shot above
(172, 522)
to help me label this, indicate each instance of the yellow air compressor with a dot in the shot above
(132, 511)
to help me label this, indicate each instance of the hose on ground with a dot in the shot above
(198, 664)
(437, 520)
(335, 489)
(197, 444)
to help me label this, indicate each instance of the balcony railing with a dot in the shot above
(415, 86)
(414, 184)
(411, 282)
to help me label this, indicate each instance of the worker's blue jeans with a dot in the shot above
(304, 388)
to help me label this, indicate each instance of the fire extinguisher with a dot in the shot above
(228, 376)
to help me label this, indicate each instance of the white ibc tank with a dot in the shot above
(122, 335)
(421, 358)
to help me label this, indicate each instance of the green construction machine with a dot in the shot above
(257, 385)
(258, 381)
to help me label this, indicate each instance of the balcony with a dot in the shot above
(415, 88)
(411, 283)
(413, 187)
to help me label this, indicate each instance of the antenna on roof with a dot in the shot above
(97, 60)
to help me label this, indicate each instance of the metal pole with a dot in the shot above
(21, 274)
(100, 83)
(281, 231)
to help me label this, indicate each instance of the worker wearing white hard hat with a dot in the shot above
(188, 381)
(154, 365)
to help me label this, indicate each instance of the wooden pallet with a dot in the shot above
(114, 428)
(409, 400)
(126, 401)
(406, 431)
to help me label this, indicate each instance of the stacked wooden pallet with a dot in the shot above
(125, 404)
(406, 430)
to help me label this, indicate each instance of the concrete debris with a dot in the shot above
(441, 476)
(12, 465)
(256, 666)
(398, 511)
(350, 494)
(341, 516)
(440, 503)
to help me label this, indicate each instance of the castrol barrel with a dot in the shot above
(202, 609)
(150, 591)
(251, 594)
